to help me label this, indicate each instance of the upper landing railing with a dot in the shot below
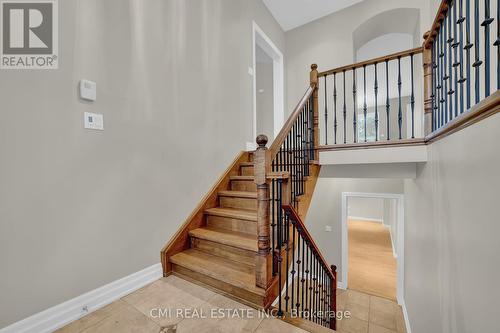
(418, 94)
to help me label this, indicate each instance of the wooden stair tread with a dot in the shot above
(242, 214)
(241, 178)
(247, 164)
(239, 194)
(231, 238)
(228, 271)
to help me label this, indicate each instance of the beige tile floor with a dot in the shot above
(132, 313)
(369, 314)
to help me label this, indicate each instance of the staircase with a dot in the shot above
(222, 253)
(240, 240)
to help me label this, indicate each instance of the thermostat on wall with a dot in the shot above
(88, 90)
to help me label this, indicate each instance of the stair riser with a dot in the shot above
(243, 185)
(226, 252)
(225, 288)
(240, 203)
(249, 227)
(247, 170)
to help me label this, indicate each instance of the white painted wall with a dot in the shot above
(265, 93)
(451, 234)
(366, 208)
(391, 221)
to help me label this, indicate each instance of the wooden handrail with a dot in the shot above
(378, 60)
(295, 216)
(440, 15)
(280, 138)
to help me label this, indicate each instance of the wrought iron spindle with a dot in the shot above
(387, 100)
(486, 24)
(292, 272)
(364, 98)
(450, 66)
(445, 72)
(303, 280)
(434, 89)
(460, 22)
(344, 111)
(335, 107)
(477, 63)
(412, 100)
(326, 115)
(376, 103)
(468, 46)
(354, 119)
(400, 112)
(456, 63)
(497, 44)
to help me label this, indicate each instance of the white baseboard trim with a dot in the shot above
(341, 285)
(359, 218)
(405, 315)
(62, 314)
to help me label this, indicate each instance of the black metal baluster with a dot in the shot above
(460, 22)
(444, 109)
(287, 248)
(292, 304)
(486, 24)
(400, 112)
(335, 107)
(376, 103)
(387, 101)
(345, 112)
(468, 46)
(307, 276)
(303, 280)
(315, 288)
(364, 97)
(310, 280)
(456, 63)
(280, 308)
(445, 70)
(477, 63)
(300, 283)
(354, 119)
(497, 44)
(412, 100)
(326, 116)
(450, 66)
(434, 90)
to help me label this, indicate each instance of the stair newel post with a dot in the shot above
(428, 107)
(333, 299)
(315, 85)
(264, 259)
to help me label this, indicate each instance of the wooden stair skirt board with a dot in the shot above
(217, 247)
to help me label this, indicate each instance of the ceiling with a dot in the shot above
(294, 13)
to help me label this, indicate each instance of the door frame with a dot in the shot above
(400, 241)
(260, 38)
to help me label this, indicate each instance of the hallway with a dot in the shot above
(372, 266)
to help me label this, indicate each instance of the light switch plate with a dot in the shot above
(88, 90)
(94, 121)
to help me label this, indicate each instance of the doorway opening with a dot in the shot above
(268, 86)
(373, 244)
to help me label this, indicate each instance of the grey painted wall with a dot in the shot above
(80, 208)
(451, 234)
(326, 209)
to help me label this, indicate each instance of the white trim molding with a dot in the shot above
(367, 219)
(260, 38)
(400, 237)
(62, 314)
(405, 315)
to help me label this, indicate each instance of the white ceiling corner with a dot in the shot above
(294, 13)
